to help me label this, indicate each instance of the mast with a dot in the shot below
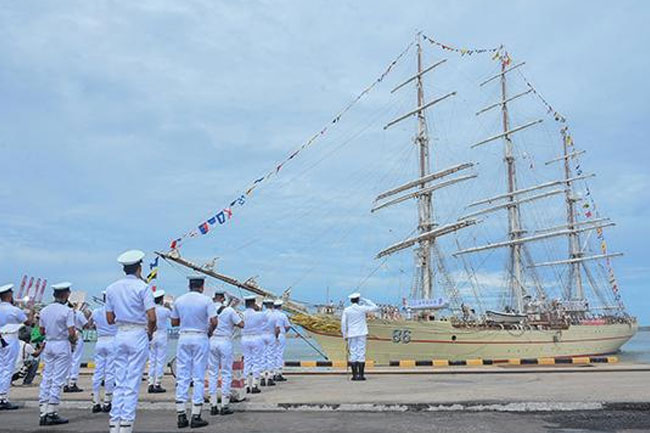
(574, 239)
(425, 206)
(514, 217)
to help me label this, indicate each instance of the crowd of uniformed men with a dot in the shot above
(132, 328)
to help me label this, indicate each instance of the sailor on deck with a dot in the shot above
(197, 317)
(11, 319)
(252, 344)
(129, 305)
(158, 346)
(104, 359)
(221, 354)
(283, 325)
(57, 324)
(80, 323)
(355, 331)
(269, 335)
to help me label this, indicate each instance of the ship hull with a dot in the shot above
(399, 340)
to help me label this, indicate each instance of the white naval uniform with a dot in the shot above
(355, 329)
(282, 321)
(104, 356)
(221, 355)
(79, 322)
(269, 340)
(129, 299)
(252, 344)
(194, 310)
(158, 346)
(55, 319)
(11, 319)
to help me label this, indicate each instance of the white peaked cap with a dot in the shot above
(250, 298)
(278, 302)
(65, 285)
(158, 293)
(354, 295)
(196, 277)
(130, 257)
(267, 301)
(219, 292)
(6, 288)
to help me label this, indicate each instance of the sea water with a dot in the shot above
(636, 350)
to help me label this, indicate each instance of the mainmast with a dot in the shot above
(514, 217)
(425, 206)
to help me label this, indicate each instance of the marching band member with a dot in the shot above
(58, 325)
(197, 317)
(104, 359)
(221, 354)
(11, 319)
(80, 322)
(283, 325)
(252, 344)
(130, 306)
(268, 339)
(158, 347)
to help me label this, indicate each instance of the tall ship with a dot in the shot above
(552, 291)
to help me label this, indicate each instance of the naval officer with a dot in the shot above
(269, 335)
(158, 346)
(130, 306)
(283, 326)
(104, 359)
(197, 317)
(355, 330)
(11, 319)
(221, 354)
(80, 323)
(57, 324)
(252, 344)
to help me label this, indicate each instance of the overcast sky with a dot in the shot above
(123, 124)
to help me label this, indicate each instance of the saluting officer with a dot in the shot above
(268, 339)
(282, 327)
(80, 322)
(104, 359)
(11, 319)
(355, 331)
(158, 347)
(252, 344)
(129, 305)
(221, 354)
(197, 317)
(57, 324)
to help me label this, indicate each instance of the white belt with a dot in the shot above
(192, 332)
(130, 327)
(105, 337)
(221, 337)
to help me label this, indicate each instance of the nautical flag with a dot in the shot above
(221, 217)
(204, 228)
(152, 275)
(212, 221)
(154, 264)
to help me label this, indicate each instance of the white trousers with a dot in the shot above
(104, 365)
(221, 357)
(268, 353)
(8, 356)
(191, 361)
(357, 346)
(73, 375)
(131, 350)
(56, 357)
(252, 347)
(157, 357)
(280, 345)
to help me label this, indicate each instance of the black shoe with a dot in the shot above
(255, 390)
(362, 368)
(197, 421)
(97, 408)
(270, 382)
(182, 421)
(54, 419)
(107, 407)
(355, 370)
(7, 405)
(66, 388)
(248, 390)
(158, 389)
(263, 382)
(150, 389)
(226, 411)
(42, 420)
(281, 378)
(214, 410)
(74, 388)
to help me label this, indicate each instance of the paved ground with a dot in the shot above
(26, 420)
(590, 384)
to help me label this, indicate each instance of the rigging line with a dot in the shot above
(363, 281)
